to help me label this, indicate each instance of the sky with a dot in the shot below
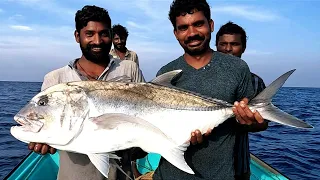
(36, 36)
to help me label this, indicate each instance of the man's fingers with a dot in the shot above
(44, 149)
(208, 132)
(248, 112)
(240, 109)
(37, 147)
(199, 136)
(238, 117)
(245, 100)
(31, 146)
(193, 139)
(52, 150)
(258, 117)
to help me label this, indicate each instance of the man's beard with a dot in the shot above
(101, 57)
(122, 48)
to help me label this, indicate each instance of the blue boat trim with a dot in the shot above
(37, 166)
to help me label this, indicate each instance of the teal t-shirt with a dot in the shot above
(227, 78)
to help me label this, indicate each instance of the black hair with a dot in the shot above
(120, 31)
(183, 7)
(91, 13)
(231, 28)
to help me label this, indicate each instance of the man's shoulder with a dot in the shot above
(58, 72)
(124, 63)
(132, 52)
(256, 76)
(230, 59)
(173, 65)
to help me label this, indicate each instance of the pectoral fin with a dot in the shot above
(113, 120)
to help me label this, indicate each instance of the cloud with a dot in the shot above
(21, 28)
(247, 12)
(1, 10)
(156, 11)
(138, 26)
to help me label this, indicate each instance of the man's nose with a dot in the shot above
(192, 31)
(97, 39)
(228, 48)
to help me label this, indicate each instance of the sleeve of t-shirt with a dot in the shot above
(49, 80)
(245, 88)
(137, 74)
(137, 59)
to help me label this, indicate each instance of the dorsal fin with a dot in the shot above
(167, 78)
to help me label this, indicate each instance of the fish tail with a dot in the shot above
(262, 102)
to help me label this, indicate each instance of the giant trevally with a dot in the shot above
(98, 117)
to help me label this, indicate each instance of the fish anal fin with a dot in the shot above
(176, 157)
(101, 162)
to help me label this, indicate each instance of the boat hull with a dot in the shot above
(35, 166)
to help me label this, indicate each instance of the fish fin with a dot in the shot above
(176, 157)
(272, 113)
(113, 156)
(267, 94)
(112, 161)
(101, 162)
(123, 78)
(167, 78)
(113, 120)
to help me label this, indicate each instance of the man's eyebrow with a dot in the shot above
(199, 21)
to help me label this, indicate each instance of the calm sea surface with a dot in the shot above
(293, 152)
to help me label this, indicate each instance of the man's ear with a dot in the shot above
(77, 36)
(211, 24)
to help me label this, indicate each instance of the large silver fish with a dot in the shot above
(97, 118)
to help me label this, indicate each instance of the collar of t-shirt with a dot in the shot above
(72, 65)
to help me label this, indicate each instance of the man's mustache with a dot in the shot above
(192, 38)
(101, 46)
(120, 44)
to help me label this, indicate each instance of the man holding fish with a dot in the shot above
(212, 74)
(93, 33)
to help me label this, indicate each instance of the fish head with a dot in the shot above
(53, 116)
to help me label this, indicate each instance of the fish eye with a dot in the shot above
(43, 101)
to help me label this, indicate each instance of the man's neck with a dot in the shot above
(199, 61)
(91, 69)
(121, 53)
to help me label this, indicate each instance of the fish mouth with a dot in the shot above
(33, 125)
(21, 120)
